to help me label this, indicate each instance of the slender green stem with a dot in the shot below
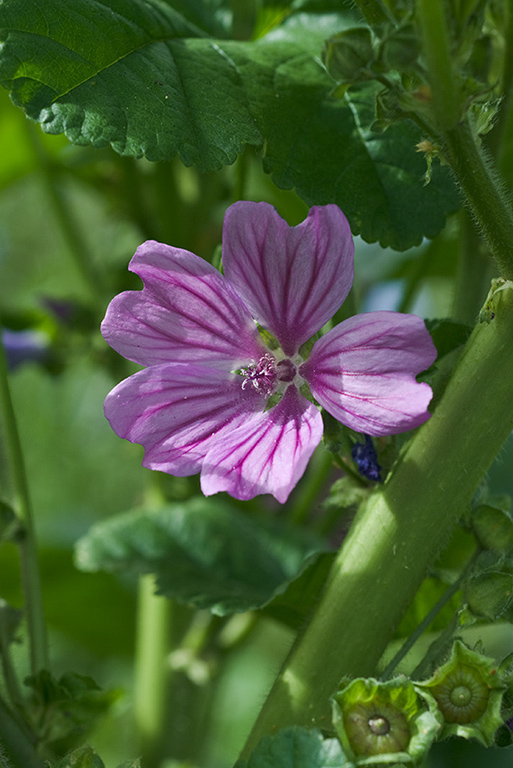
(16, 742)
(426, 621)
(484, 194)
(375, 11)
(400, 529)
(496, 137)
(436, 650)
(28, 550)
(151, 670)
(446, 99)
(11, 681)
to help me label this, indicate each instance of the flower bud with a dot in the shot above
(348, 54)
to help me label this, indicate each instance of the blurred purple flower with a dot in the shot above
(202, 404)
(24, 346)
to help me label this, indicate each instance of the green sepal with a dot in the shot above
(297, 747)
(269, 340)
(469, 692)
(385, 722)
(504, 735)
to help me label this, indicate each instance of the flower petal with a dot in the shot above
(187, 311)
(267, 454)
(293, 279)
(363, 372)
(177, 411)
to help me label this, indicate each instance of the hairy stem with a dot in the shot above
(400, 530)
(489, 205)
(27, 541)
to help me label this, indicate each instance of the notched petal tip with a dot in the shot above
(186, 311)
(293, 279)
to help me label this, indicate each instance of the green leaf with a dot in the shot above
(295, 604)
(447, 335)
(145, 79)
(202, 553)
(325, 148)
(84, 757)
(297, 748)
(135, 75)
(131, 764)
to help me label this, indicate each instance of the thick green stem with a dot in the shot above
(475, 270)
(399, 531)
(28, 550)
(427, 620)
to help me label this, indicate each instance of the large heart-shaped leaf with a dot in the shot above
(141, 76)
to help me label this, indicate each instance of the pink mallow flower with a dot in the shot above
(202, 404)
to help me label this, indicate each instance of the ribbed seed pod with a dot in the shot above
(468, 690)
(376, 728)
(388, 720)
(463, 696)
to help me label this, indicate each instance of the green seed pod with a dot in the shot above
(388, 721)
(469, 694)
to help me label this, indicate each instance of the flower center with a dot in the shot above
(261, 375)
(267, 374)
